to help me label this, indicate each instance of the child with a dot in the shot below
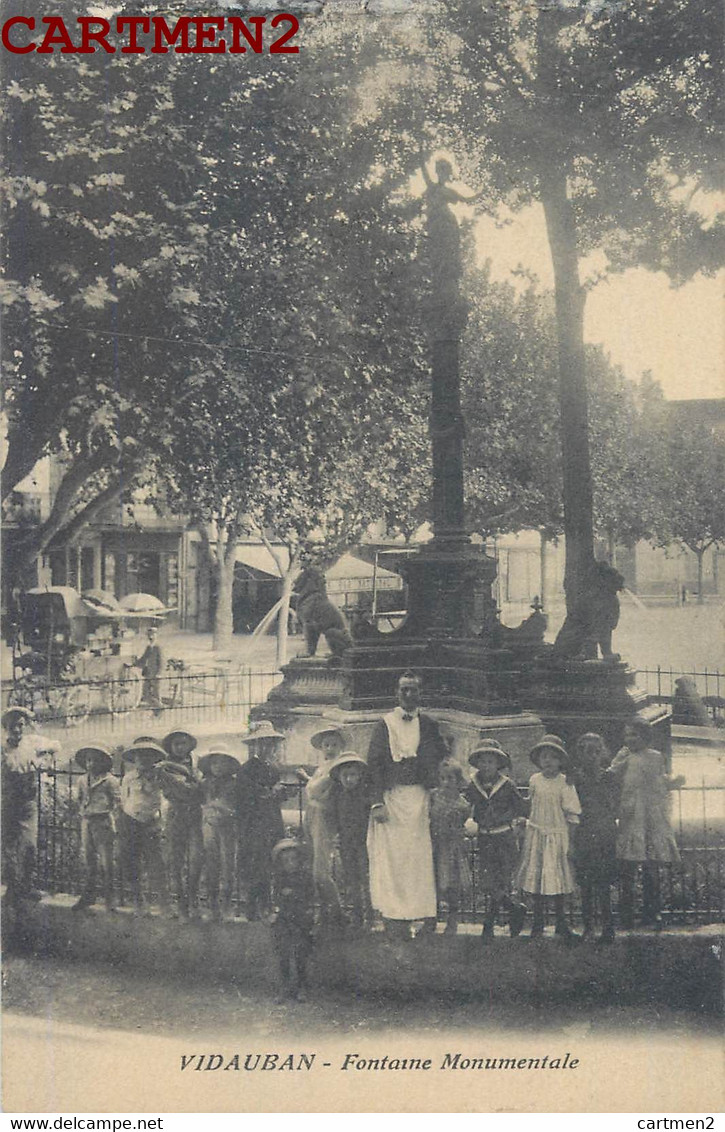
(544, 869)
(448, 813)
(292, 915)
(349, 811)
(594, 853)
(98, 799)
(260, 813)
(645, 836)
(220, 767)
(318, 829)
(24, 752)
(140, 821)
(181, 785)
(497, 809)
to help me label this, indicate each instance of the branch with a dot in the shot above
(273, 552)
(88, 513)
(77, 475)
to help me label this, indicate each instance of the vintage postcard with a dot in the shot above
(363, 577)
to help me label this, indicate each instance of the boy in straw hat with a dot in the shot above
(98, 799)
(140, 821)
(318, 820)
(260, 813)
(181, 786)
(24, 752)
(349, 819)
(219, 767)
(497, 810)
(293, 915)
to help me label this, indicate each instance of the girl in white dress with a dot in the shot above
(545, 870)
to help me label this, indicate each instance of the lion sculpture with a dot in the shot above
(318, 615)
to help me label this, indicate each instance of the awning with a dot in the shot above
(256, 556)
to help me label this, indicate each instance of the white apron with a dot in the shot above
(402, 881)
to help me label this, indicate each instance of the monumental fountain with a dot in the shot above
(479, 677)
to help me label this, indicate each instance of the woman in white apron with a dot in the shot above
(406, 749)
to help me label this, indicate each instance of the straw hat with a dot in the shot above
(81, 755)
(318, 736)
(347, 758)
(166, 741)
(550, 743)
(219, 750)
(145, 746)
(262, 729)
(7, 715)
(490, 747)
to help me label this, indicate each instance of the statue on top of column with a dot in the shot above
(444, 238)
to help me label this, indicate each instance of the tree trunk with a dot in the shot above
(576, 464)
(542, 568)
(700, 552)
(223, 615)
(283, 616)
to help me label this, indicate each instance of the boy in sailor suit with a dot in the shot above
(497, 810)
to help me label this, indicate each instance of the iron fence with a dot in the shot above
(222, 695)
(693, 890)
(219, 695)
(660, 684)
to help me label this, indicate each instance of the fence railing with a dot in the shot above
(216, 696)
(221, 693)
(693, 889)
(709, 684)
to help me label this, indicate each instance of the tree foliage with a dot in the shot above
(608, 116)
(695, 489)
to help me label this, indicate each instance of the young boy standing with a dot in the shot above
(317, 822)
(140, 821)
(497, 810)
(260, 812)
(181, 785)
(349, 818)
(219, 767)
(293, 915)
(98, 799)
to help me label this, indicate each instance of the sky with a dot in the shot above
(639, 318)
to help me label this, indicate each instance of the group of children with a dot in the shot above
(176, 820)
(589, 821)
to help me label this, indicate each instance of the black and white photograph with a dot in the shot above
(363, 556)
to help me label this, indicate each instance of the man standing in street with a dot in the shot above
(151, 663)
(406, 749)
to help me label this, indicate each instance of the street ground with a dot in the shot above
(83, 1039)
(101, 997)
